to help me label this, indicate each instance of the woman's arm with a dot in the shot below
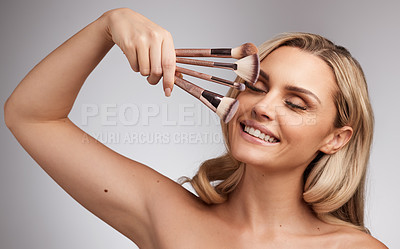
(120, 191)
(48, 92)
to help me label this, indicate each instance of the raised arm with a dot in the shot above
(118, 190)
(48, 92)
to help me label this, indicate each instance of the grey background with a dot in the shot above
(36, 213)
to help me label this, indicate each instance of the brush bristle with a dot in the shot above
(244, 50)
(248, 68)
(227, 109)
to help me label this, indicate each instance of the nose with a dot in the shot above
(265, 109)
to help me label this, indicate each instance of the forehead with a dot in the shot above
(293, 66)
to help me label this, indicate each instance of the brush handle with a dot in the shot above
(210, 99)
(193, 52)
(189, 87)
(205, 76)
(232, 66)
(205, 52)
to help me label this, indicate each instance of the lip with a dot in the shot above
(260, 127)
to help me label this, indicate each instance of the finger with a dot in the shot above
(132, 58)
(155, 63)
(143, 59)
(168, 60)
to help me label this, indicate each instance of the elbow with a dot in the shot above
(8, 114)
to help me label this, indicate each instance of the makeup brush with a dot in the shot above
(236, 85)
(237, 53)
(225, 107)
(247, 68)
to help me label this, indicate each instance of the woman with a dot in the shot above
(298, 146)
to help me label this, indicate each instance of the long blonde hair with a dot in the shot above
(333, 184)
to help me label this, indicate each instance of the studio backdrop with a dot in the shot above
(174, 135)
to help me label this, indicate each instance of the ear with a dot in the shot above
(337, 139)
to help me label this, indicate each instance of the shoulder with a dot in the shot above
(353, 238)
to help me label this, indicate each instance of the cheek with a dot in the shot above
(305, 131)
(233, 131)
(246, 98)
(245, 107)
(239, 149)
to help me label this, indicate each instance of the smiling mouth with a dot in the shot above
(258, 134)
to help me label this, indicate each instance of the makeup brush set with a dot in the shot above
(246, 67)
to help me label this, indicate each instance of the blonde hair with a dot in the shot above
(333, 184)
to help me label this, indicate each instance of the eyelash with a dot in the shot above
(253, 88)
(287, 102)
(295, 106)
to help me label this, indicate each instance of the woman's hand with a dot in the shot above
(148, 47)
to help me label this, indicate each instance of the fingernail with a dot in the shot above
(167, 91)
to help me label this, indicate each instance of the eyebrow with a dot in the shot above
(265, 79)
(264, 75)
(302, 90)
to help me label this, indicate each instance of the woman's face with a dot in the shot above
(288, 117)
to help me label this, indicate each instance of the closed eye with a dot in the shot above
(287, 102)
(253, 88)
(292, 105)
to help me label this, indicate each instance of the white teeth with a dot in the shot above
(251, 131)
(259, 134)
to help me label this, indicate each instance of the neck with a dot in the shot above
(269, 200)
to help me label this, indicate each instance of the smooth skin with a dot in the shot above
(266, 210)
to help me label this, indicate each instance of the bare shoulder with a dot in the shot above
(353, 238)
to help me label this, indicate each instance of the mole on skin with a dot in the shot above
(106, 190)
